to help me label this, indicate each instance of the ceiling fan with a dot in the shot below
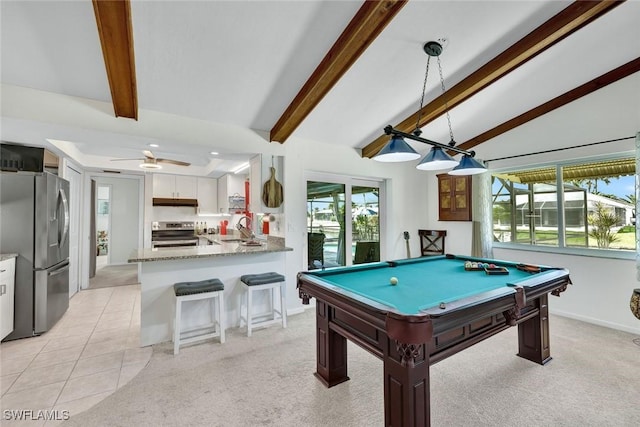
(152, 162)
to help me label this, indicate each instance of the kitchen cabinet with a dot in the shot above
(229, 185)
(260, 173)
(7, 288)
(174, 186)
(207, 196)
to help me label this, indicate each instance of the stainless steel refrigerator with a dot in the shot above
(34, 223)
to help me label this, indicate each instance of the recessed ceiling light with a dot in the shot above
(215, 153)
(154, 145)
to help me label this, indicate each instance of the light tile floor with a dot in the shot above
(90, 353)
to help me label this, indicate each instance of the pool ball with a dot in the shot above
(393, 280)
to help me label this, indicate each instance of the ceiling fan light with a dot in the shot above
(149, 165)
(468, 166)
(396, 150)
(435, 160)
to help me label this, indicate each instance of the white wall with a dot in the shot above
(601, 289)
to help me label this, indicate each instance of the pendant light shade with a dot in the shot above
(435, 160)
(468, 166)
(396, 150)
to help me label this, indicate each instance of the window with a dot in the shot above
(587, 205)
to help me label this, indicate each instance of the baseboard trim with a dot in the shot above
(598, 322)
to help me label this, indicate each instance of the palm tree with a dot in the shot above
(602, 220)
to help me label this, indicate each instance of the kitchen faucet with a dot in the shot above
(245, 230)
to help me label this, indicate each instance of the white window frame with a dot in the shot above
(561, 249)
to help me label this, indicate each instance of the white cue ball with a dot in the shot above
(393, 280)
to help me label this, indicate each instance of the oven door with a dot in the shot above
(174, 243)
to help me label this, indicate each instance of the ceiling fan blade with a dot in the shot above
(119, 160)
(148, 154)
(173, 162)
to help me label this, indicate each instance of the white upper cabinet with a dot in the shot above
(207, 196)
(175, 186)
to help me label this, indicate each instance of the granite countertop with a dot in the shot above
(223, 246)
(4, 257)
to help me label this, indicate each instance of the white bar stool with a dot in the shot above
(190, 291)
(259, 282)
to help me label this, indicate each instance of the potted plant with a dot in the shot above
(103, 242)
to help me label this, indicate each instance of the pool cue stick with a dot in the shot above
(406, 241)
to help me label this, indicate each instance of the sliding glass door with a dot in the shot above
(343, 221)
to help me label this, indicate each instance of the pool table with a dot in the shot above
(437, 308)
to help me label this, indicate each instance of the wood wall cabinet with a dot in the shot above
(454, 197)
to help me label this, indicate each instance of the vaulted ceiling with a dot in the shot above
(330, 71)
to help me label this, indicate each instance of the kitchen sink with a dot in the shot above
(231, 240)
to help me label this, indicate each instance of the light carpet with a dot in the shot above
(114, 275)
(267, 380)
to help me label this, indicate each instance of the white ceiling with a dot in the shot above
(242, 62)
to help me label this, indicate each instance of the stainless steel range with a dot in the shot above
(171, 234)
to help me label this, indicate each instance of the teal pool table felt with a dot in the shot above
(421, 284)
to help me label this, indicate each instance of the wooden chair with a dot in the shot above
(315, 245)
(432, 242)
(367, 252)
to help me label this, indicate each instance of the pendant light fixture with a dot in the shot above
(397, 149)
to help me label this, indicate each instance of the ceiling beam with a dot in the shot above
(113, 18)
(364, 27)
(612, 76)
(572, 18)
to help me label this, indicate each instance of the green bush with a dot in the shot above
(627, 229)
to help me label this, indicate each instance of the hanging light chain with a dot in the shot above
(446, 105)
(417, 130)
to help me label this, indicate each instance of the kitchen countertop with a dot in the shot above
(221, 248)
(4, 257)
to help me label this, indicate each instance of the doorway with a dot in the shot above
(343, 221)
(115, 229)
(103, 224)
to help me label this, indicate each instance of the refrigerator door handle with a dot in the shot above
(59, 270)
(63, 234)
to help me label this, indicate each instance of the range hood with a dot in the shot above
(159, 201)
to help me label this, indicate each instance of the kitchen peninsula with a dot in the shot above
(226, 260)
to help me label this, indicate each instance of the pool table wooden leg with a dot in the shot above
(533, 334)
(406, 385)
(331, 357)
